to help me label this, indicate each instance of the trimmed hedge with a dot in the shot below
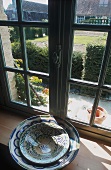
(77, 65)
(38, 59)
(94, 55)
(30, 33)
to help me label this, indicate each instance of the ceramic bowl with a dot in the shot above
(62, 162)
(44, 143)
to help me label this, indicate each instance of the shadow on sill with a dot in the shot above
(6, 161)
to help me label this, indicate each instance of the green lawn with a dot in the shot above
(42, 39)
(89, 40)
(79, 39)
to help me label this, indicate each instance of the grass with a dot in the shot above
(42, 39)
(84, 40)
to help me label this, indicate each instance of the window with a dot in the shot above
(80, 18)
(51, 64)
(103, 3)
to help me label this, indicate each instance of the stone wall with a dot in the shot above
(5, 36)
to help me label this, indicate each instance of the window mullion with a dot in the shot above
(54, 44)
(67, 18)
(23, 49)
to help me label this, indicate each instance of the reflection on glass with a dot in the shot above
(80, 100)
(8, 9)
(87, 54)
(11, 46)
(17, 87)
(39, 91)
(105, 103)
(37, 49)
(93, 12)
(35, 10)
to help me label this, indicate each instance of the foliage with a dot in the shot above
(36, 82)
(30, 33)
(94, 55)
(20, 85)
(77, 65)
(38, 59)
(16, 50)
(14, 34)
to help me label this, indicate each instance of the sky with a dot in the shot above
(7, 2)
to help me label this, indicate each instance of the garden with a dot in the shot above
(85, 65)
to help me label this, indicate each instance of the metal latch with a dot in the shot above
(57, 56)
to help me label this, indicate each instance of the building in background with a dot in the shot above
(32, 11)
(87, 11)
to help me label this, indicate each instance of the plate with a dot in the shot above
(44, 143)
(62, 162)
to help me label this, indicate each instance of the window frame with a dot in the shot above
(61, 33)
(20, 24)
(91, 129)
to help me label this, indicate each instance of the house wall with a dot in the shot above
(5, 36)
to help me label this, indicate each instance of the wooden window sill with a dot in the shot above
(91, 156)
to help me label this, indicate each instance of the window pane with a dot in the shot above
(8, 9)
(17, 88)
(108, 73)
(39, 91)
(11, 46)
(35, 10)
(37, 49)
(93, 12)
(104, 117)
(80, 99)
(87, 54)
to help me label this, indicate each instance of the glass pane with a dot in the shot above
(11, 46)
(8, 10)
(37, 49)
(35, 10)
(80, 100)
(103, 115)
(88, 49)
(108, 73)
(39, 91)
(93, 12)
(17, 88)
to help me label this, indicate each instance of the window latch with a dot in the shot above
(57, 56)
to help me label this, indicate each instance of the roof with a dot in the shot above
(84, 7)
(93, 8)
(32, 6)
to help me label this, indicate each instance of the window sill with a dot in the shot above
(92, 155)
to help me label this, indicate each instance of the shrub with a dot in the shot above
(36, 85)
(77, 65)
(14, 34)
(94, 55)
(38, 59)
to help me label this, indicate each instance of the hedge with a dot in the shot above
(94, 55)
(38, 59)
(77, 65)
